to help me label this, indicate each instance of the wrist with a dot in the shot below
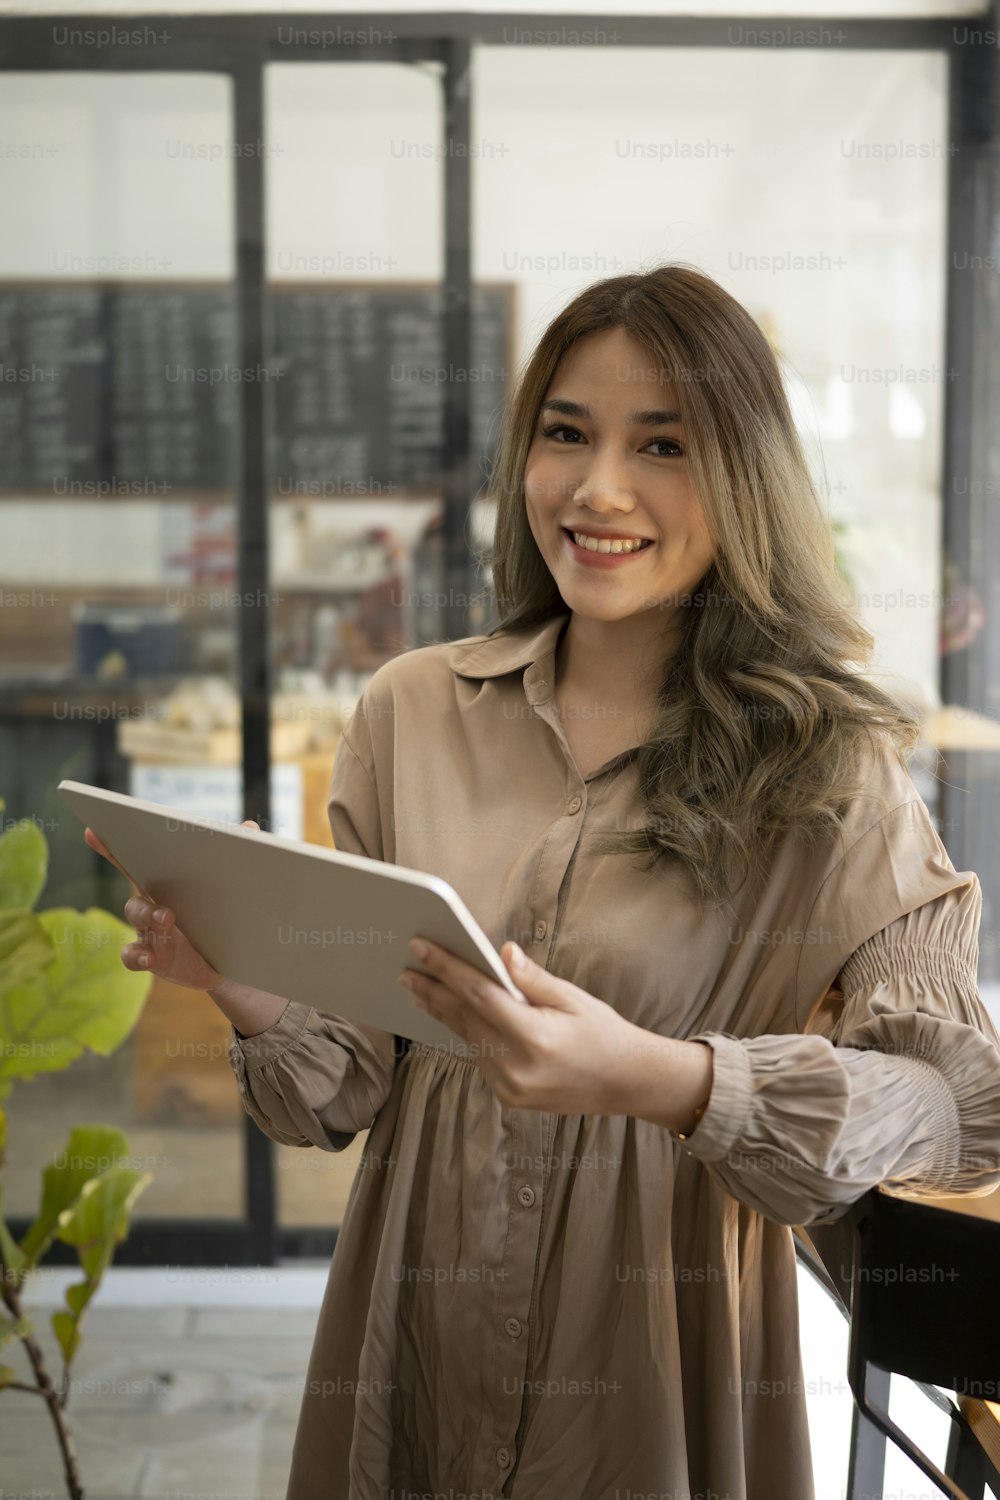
(667, 1081)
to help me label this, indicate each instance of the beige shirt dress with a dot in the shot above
(566, 1307)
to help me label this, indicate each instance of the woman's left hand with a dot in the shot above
(565, 1052)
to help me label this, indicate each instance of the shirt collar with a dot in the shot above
(533, 649)
(508, 651)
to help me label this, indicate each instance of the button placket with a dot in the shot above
(526, 1170)
(559, 848)
(516, 1298)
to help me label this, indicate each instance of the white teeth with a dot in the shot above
(594, 544)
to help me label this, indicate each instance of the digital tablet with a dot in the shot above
(316, 925)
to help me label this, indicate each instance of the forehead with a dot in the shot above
(614, 362)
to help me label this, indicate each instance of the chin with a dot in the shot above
(606, 609)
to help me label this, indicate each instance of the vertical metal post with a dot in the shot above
(970, 128)
(253, 574)
(966, 1462)
(457, 341)
(866, 1468)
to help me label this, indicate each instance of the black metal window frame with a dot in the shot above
(241, 47)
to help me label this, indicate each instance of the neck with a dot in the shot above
(615, 661)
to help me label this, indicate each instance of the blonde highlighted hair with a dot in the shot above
(765, 720)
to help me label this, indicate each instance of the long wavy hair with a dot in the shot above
(765, 721)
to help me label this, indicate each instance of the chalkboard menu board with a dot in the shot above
(132, 388)
(52, 390)
(105, 389)
(172, 400)
(361, 398)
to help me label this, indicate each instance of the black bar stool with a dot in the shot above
(920, 1286)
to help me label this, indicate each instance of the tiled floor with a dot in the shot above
(187, 1386)
(188, 1383)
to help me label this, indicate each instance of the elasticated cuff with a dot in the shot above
(728, 1110)
(264, 1046)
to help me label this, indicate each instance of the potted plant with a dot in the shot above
(63, 989)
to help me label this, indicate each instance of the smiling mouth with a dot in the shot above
(608, 546)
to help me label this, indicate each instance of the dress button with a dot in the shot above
(503, 1457)
(574, 804)
(513, 1327)
(525, 1196)
(541, 928)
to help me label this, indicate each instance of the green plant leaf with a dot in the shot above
(14, 1328)
(7, 1374)
(90, 1151)
(24, 864)
(25, 949)
(65, 1329)
(98, 1219)
(10, 1251)
(84, 998)
(95, 1223)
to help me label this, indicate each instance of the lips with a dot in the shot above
(644, 544)
(605, 536)
(593, 557)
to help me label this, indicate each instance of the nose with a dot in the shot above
(603, 483)
(600, 494)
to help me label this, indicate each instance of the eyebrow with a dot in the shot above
(640, 418)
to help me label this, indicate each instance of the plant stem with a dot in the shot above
(45, 1388)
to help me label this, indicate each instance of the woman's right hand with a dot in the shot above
(160, 948)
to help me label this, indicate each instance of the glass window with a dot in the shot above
(790, 9)
(118, 647)
(354, 265)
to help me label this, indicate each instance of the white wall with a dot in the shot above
(780, 176)
(569, 8)
(120, 167)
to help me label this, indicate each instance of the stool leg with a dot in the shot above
(966, 1462)
(866, 1473)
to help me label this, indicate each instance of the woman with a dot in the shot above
(566, 1270)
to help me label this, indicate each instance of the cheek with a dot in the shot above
(531, 513)
(537, 507)
(694, 517)
(532, 488)
(704, 547)
(542, 486)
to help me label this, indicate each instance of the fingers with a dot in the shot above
(95, 843)
(153, 924)
(137, 956)
(145, 915)
(467, 1001)
(90, 837)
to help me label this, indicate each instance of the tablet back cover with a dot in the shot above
(295, 919)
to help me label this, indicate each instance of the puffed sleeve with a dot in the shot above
(895, 1077)
(311, 1079)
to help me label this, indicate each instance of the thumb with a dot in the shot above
(537, 983)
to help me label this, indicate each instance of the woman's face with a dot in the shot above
(616, 469)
